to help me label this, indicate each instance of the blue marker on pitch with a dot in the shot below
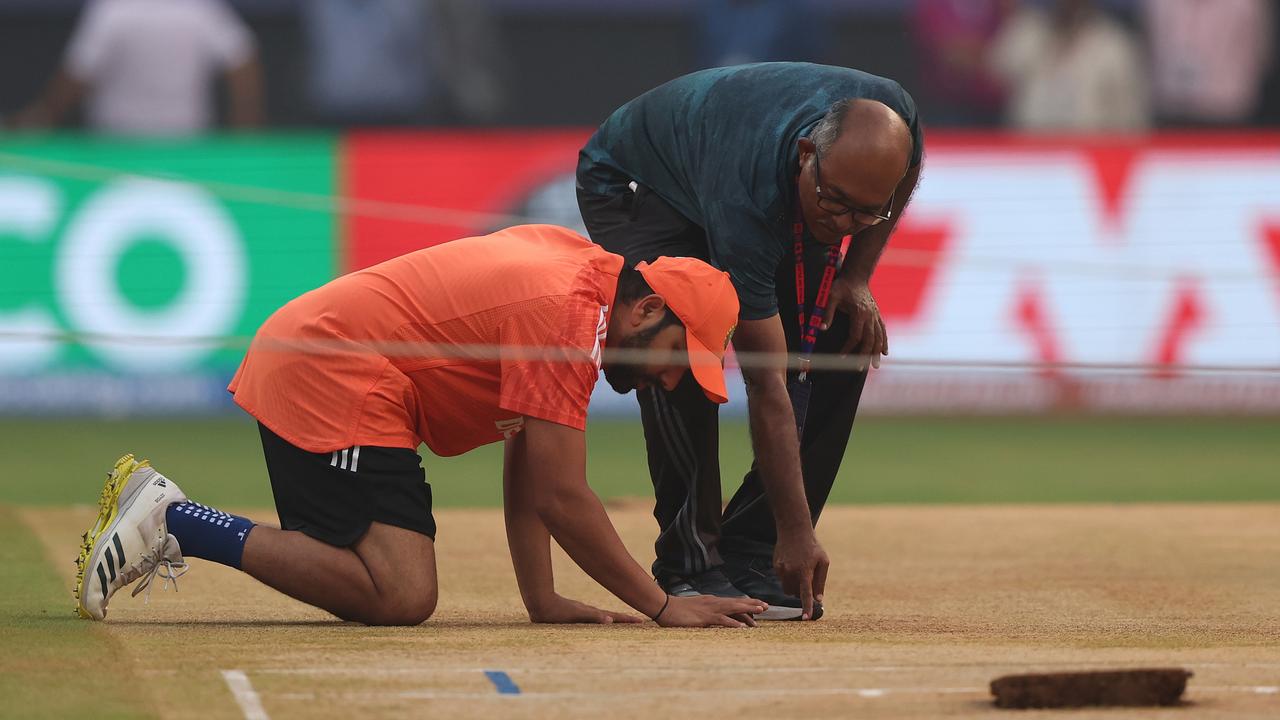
(502, 682)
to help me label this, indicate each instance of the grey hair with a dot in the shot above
(827, 131)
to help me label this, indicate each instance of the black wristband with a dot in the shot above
(664, 609)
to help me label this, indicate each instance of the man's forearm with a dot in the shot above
(530, 545)
(550, 460)
(777, 450)
(578, 522)
(527, 537)
(864, 253)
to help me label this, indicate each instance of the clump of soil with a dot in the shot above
(1160, 686)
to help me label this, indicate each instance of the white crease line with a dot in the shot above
(560, 695)
(1018, 667)
(246, 697)
(1256, 689)
(869, 693)
(1227, 664)
(568, 671)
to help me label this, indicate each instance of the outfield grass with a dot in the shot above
(890, 460)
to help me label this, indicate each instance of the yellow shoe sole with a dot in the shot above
(108, 508)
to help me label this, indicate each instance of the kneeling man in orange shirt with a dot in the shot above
(491, 338)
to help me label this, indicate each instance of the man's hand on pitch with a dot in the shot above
(867, 336)
(802, 564)
(711, 611)
(563, 610)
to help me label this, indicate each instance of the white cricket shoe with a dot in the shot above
(129, 539)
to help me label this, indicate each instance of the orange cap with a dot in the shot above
(705, 301)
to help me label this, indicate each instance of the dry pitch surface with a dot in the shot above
(925, 606)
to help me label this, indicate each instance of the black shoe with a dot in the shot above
(707, 582)
(756, 578)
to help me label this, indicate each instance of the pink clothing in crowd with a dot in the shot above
(1209, 57)
(953, 38)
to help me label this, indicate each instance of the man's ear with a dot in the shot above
(806, 147)
(649, 307)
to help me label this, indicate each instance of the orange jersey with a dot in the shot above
(381, 356)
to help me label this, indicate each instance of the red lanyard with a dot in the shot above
(809, 325)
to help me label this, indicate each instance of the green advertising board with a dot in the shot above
(135, 271)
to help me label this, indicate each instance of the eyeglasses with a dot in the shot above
(862, 217)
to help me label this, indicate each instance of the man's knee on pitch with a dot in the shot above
(402, 608)
(402, 565)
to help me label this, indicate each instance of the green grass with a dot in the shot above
(55, 665)
(890, 460)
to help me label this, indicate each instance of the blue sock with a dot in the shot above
(207, 533)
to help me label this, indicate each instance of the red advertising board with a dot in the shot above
(1156, 253)
(413, 190)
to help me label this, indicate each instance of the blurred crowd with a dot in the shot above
(1071, 65)
(152, 67)
(160, 67)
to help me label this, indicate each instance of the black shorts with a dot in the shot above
(333, 497)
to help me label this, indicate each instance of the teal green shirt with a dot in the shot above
(719, 145)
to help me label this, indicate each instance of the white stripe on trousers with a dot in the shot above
(680, 450)
(678, 522)
(683, 434)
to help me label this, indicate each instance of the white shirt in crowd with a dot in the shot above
(1092, 80)
(150, 65)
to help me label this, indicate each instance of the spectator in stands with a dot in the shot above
(377, 62)
(147, 67)
(1071, 67)
(734, 32)
(471, 56)
(953, 39)
(1209, 58)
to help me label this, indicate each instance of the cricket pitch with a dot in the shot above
(925, 606)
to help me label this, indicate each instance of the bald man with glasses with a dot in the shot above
(763, 171)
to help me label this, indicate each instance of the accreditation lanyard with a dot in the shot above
(810, 322)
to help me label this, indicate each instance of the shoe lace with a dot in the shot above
(157, 564)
